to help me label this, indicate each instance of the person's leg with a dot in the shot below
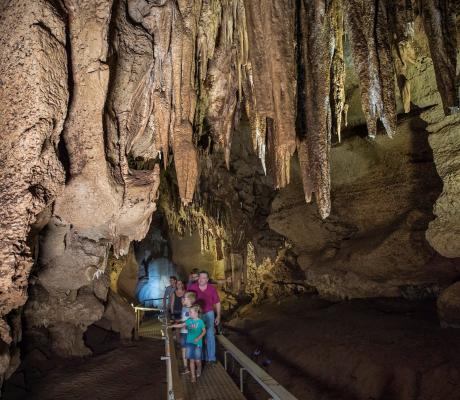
(183, 344)
(192, 370)
(208, 319)
(198, 355)
(190, 358)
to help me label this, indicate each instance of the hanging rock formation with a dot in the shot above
(95, 95)
(439, 20)
(368, 29)
(317, 48)
(271, 29)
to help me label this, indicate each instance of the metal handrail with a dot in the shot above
(175, 389)
(269, 384)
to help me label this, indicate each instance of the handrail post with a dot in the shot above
(225, 359)
(241, 378)
(167, 358)
(136, 328)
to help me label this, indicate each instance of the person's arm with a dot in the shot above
(198, 338)
(177, 325)
(171, 302)
(217, 306)
(218, 309)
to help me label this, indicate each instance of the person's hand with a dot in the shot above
(217, 320)
(196, 341)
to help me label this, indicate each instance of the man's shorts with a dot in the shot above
(183, 340)
(193, 352)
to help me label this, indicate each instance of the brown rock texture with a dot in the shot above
(118, 316)
(373, 244)
(33, 102)
(444, 232)
(439, 20)
(272, 56)
(314, 149)
(370, 44)
(96, 96)
(449, 306)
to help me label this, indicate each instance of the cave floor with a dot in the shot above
(127, 371)
(380, 349)
(360, 349)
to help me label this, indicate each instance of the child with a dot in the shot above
(194, 342)
(187, 301)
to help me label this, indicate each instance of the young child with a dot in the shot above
(194, 342)
(187, 302)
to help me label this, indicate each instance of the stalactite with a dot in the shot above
(367, 28)
(401, 17)
(338, 70)
(439, 21)
(272, 57)
(317, 47)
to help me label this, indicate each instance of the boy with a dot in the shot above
(187, 302)
(195, 332)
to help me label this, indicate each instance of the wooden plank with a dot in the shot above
(265, 380)
(213, 384)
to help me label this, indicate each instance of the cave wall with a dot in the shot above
(97, 96)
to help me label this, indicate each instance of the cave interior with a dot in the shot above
(306, 154)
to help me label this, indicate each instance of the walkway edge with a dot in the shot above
(277, 391)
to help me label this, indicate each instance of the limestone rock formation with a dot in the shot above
(373, 244)
(33, 105)
(368, 28)
(98, 96)
(444, 232)
(118, 316)
(449, 306)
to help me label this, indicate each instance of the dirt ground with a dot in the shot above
(380, 349)
(125, 371)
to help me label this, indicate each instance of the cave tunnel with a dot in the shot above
(300, 159)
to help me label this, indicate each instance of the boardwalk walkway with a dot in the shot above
(214, 382)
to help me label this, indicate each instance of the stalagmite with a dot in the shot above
(367, 28)
(439, 20)
(317, 47)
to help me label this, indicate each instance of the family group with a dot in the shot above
(195, 308)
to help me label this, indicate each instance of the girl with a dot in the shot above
(194, 342)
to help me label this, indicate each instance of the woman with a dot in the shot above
(176, 300)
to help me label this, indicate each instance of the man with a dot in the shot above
(193, 277)
(168, 292)
(208, 298)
